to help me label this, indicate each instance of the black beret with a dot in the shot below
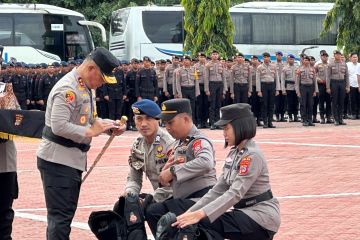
(201, 54)
(172, 107)
(266, 54)
(187, 57)
(146, 59)
(106, 61)
(234, 111)
(239, 55)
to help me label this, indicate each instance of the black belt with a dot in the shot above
(248, 202)
(49, 135)
(289, 82)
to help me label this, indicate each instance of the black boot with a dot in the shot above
(314, 119)
(282, 119)
(291, 118)
(322, 119)
(277, 117)
(266, 124)
(258, 122)
(270, 125)
(296, 119)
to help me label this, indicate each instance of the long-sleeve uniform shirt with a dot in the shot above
(195, 164)
(306, 76)
(69, 112)
(245, 175)
(149, 159)
(337, 71)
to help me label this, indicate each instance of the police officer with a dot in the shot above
(187, 84)
(244, 185)
(101, 103)
(324, 97)
(169, 77)
(21, 86)
(288, 79)
(337, 84)
(241, 80)
(160, 73)
(70, 124)
(255, 99)
(149, 151)
(46, 83)
(190, 169)
(146, 84)
(8, 187)
(116, 93)
(279, 99)
(130, 95)
(267, 87)
(215, 86)
(202, 102)
(306, 88)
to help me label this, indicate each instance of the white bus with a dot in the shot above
(290, 27)
(38, 33)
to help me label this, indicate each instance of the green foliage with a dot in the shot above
(208, 26)
(347, 13)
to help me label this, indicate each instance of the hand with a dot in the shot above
(169, 162)
(284, 92)
(165, 177)
(298, 94)
(97, 99)
(189, 218)
(207, 93)
(232, 96)
(347, 90)
(98, 127)
(106, 98)
(33, 102)
(167, 94)
(124, 97)
(259, 94)
(277, 93)
(27, 101)
(314, 94)
(41, 102)
(139, 98)
(249, 94)
(155, 99)
(118, 130)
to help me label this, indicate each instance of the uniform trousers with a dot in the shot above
(189, 93)
(215, 99)
(202, 107)
(306, 101)
(255, 102)
(355, 101)
(241, 91)
(170, 91)
(102, 109)
(337, 98)
(280, 104)
(324, 102)
(236, 225)
(61, 188)
(115, 108)
(267, 105)
(315, 106)
(161, 96)
(292, 102)
(8, 192)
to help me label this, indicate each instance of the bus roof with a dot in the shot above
(285, 6)
(37, 8)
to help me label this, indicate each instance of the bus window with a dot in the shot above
(118, 21)
(273, 28)
(242, 27)
(163, 27)
(308, 28)
(6, 36)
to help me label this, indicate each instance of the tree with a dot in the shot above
(208, 26)
(347, 14)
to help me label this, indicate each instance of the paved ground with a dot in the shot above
(314, 172)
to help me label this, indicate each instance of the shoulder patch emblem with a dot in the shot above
(244, 165)
(69, 96)
(197, 145)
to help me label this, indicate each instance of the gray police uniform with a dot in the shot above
(194, 175)
(202, 101)
(241, 82)
(149, 159)
(169, 79)
(70, 110)
(8, 186)
(280, 99)
(288, 78)
(244, 188)
(324, 97)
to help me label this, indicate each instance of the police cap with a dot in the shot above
(266, 54)
(173, 107)
(279, 53)
(55, 64)
(337, 52)
(134, 60)
(64, 64)
(175, 57)
(234, 111)
(18, 64)
(291, 56)
(146, 59)
(187, 57)
(106, 61)
(201, 54)
(324, 53)
(162, 61)
(147, 107)
(254, 57)
(239, 55)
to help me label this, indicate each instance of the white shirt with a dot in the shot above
(354, 70)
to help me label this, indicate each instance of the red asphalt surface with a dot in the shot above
(314, 171)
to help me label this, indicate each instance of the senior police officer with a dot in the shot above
(70, 124)
(149, 151)
(244, 185)
(190, 169)
(337, 84)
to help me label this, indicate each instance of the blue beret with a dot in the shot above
(279, 53)
(291, 56)
(147, 107)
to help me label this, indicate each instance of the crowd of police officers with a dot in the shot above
(298, 89)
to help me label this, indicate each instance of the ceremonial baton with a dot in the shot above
(120, 122)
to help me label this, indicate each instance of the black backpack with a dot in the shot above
(108, 225)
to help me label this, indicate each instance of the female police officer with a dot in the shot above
(243, 185)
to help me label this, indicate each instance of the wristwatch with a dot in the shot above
(172, 170)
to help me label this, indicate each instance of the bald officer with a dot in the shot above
(190, 170)
(149, 151)
(70, 124)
